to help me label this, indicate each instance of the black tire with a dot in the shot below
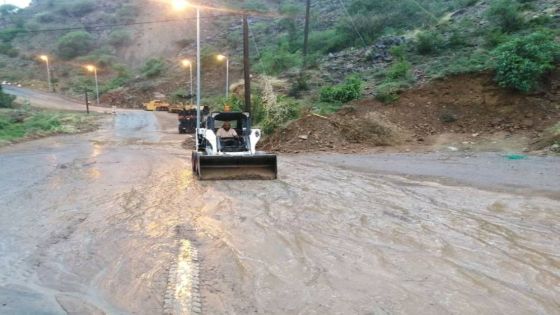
(194, 160)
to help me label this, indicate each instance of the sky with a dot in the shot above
(19, 3)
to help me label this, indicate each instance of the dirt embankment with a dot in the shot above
(343, 131)
(465, 105)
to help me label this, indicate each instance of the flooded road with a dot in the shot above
(104, 223)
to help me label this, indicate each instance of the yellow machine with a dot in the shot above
(175, 108)
(156, 105)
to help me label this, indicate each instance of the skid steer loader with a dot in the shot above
(231, 158)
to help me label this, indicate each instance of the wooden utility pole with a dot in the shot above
(87, 101)
(246, 63)
(306, 33)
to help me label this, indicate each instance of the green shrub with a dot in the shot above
(100, 57)
(43, 122)
(45, 17)
(457, 39)
(275, 61)
(122, 78)
(6, 101)
(180, 96)
(285, 110)
(74, 44)
(542, 20)
(506, 15)
(328, 41)
(362, 28)
(119, 38)
(325, 108)
(8, 50)
(127, 13)
(399, 70)
(254, 5)
(7, 9)
(398, 52)
(343, 93)
(153, 68)
(109, 18)
(78, 8)
(469, 62)
(428, 42)
(8, 34)
(81, 84)
(467, 3)
(521, 62)
(299, 85)
(388, 92)
(494, 38)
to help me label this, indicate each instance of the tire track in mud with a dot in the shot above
(182, 295)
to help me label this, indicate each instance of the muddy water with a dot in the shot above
(91, 224)
(325, 240)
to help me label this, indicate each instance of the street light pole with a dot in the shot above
(190, 68)
(246, 63)
(226, 58)
(197, 73)
(96, 86)
(93, 69)
(188, 63)
(227, 78)
(181, 5)
(46, 60)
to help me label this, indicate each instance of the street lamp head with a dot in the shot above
(44, 57)
(221, 57)
(186, 63)
(180, 5)
(90, 68)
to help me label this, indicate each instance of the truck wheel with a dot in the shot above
(194, 160)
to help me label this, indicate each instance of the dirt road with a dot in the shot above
(50, 100)
(113, 222)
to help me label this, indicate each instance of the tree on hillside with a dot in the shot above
(5, 99)
(74, 44)
(7, 10)
(522, 61)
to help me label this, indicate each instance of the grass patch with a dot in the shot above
(30, 123)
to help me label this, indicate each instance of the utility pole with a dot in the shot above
(87, 101)
(306, 33)
(246, 63)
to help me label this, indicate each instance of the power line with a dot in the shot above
(352, 22)
(430, 14)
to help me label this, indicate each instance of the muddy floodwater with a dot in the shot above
(113, 222)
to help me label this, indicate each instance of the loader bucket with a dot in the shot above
(262, 166)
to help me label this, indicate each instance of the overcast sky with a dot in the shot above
(19, 3)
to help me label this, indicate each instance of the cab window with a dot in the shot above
(218, 124)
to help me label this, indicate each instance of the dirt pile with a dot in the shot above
(341, 132)
(470, 105)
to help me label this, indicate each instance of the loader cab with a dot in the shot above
(239, 121)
